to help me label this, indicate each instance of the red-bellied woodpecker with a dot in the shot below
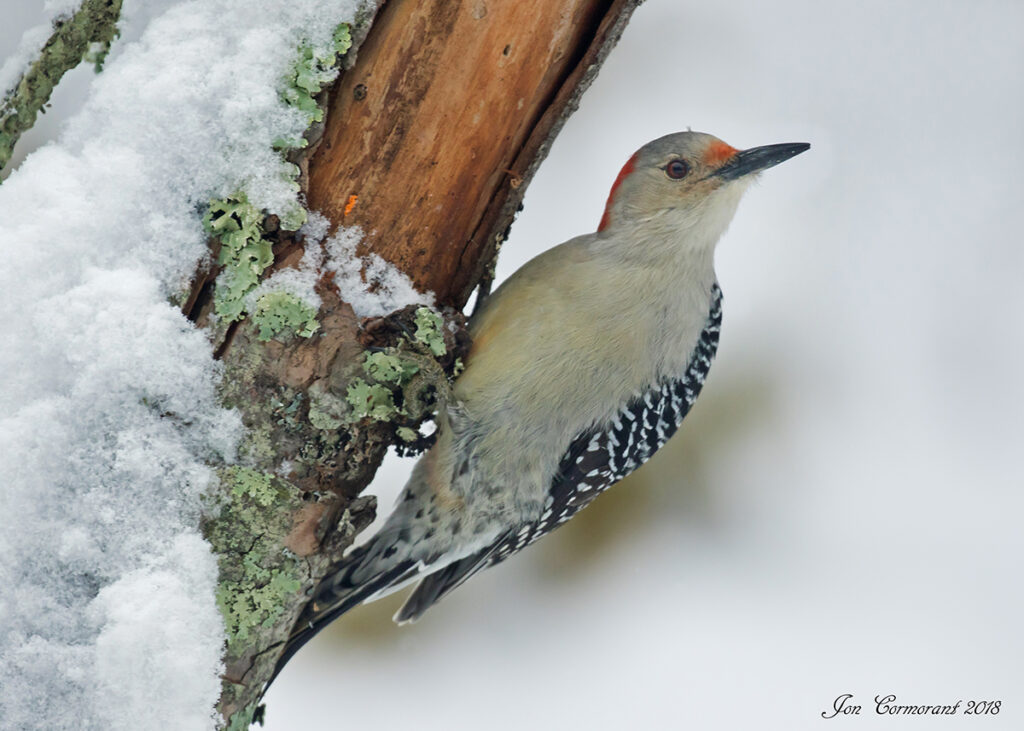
(583, 364)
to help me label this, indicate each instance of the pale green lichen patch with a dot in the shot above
(253, 484)
(428, 330)
(327, 410)
(295, 215)
(314, 69)
(389, 367)
(407, 434)
(371, 400)
(282, 312)
(244, 253)
(256, 575)
(390, 372)
(242, 719)
(342, 39)
(399, 387)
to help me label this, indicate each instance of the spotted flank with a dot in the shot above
(596, 459)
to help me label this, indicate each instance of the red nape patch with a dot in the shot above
(718, 152)
(629, 167)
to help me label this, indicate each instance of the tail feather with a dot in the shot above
(342, 592)
(434, 587)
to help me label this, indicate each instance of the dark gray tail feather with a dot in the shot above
(338, 594)
(436, 586)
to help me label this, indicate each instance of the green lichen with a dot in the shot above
(391, 371)
(314, 69)
(295, 215)
(407, 434)
(342, 39)
(401, 384)
(255, 580)
(371, 400)
(327, 411)
(98, 52)
(244, 253)
(256, 602)
(242, 719)
(428, 330)
(389, 367)
(93, 26)
(282, 312)
(249, 483)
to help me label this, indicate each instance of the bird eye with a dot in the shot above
(677, 169)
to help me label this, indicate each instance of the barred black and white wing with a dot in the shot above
(595, 460)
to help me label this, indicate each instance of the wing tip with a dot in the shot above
(403, 618)
(418, 602)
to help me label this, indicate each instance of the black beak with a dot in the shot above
(759, 158)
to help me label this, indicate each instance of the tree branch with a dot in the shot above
(432, 135)
(72, 40)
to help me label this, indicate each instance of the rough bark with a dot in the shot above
(86, 34)
(447, 113)
(433, 132)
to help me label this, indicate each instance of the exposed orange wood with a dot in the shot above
(430, 126)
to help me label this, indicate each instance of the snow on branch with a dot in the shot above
(111, 425)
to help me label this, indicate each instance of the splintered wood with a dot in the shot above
(446, 113)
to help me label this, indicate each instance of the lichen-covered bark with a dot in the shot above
(283, 518)
(86, 34)
(323, 403)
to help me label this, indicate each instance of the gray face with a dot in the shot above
(685, 170)
(702, 153)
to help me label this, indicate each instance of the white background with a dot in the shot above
(841, 511)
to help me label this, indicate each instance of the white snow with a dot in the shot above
(32, 40)
(297, 281)
(12, 67)
(161, 641)
(109, 420)
(369, 283)
(61, 8)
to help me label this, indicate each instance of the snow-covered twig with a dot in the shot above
(78, 33)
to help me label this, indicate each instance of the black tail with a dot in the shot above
(439, 584)
(339, 592)
(435, 586)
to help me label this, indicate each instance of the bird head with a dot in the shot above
(688, 181)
